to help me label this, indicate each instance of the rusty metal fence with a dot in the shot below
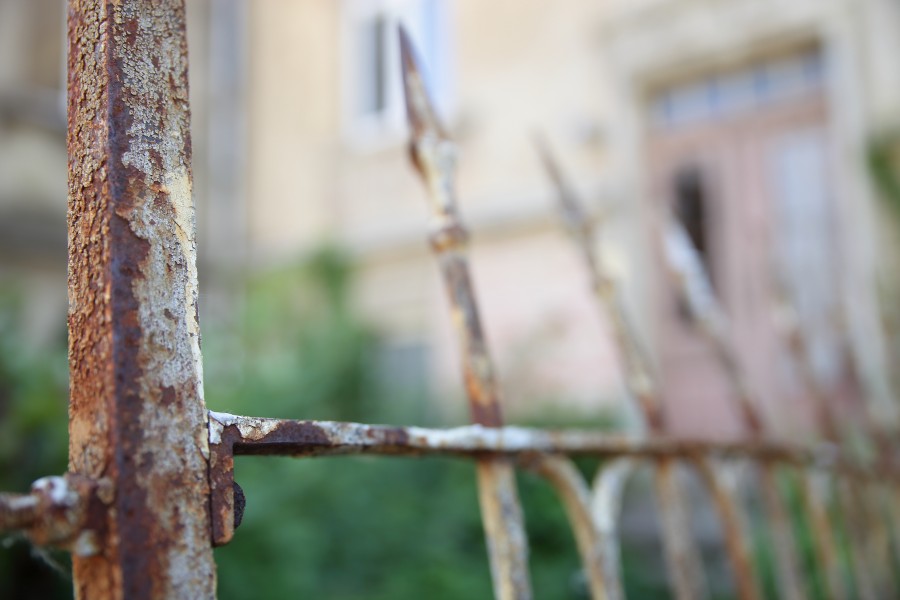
(150, 489)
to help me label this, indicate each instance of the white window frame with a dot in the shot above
(388, 127)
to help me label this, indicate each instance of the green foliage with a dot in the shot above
(361, 527)
(804, 534)
(32, 445)
(883, 158)
(337, 528)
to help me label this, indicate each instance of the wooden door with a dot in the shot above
(750, 184)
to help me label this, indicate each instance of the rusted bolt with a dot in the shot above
(240, 502)
(106, 491)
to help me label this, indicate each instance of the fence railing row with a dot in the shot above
(151, 485)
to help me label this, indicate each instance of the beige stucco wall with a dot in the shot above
(520, 67)
(292, 124)
(581, 71)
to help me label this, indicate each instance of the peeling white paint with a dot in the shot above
(250, 428)
(57, 490)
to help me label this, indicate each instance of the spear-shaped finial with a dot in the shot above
(433, 154)
(420, 111)
(432, 151)
(573, 214)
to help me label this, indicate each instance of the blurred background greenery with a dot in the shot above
(363, 527)
(33, 443)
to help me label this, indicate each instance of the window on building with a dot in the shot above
(806, 244)
(733, 93)
(372, 77)
(374, 111)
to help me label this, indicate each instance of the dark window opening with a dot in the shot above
(692, 210)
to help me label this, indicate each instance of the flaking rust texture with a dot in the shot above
(137, 414)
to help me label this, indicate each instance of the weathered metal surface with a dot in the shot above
(814, 488)
(847, 505)
(638, 373)
(606, 507)
(576, 498)
(230, 435)
(679, 544)
(886, 512)
(782, 533)
(693, 284)
(284, 437)
(223, 434)
(852, 514)
(682, 559)
(136, 406)
(734, 531)
(434, 156)
(64, 512)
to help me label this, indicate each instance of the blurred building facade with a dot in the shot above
(33, 160)
(750, 118)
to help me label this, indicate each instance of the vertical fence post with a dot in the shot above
(136, 410)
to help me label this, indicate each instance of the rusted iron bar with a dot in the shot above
(880, 520)
(285, 437)
(815, 502)
(791, 331)
(64, 512)
(18, 511)
(734, 530)
(693, 284)
(868, 517)
(434, 157)
(639, 377)
(683, 561)
(606, 507)
(891, 510)
(781, 530)
(231, 435)
(814, 486)
(576, 498)
(686, 568)
(852, 512)
(137, 415)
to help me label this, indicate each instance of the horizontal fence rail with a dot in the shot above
(284, 437)
(152, 486)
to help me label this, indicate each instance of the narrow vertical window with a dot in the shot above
(372, 75)
(372, 98)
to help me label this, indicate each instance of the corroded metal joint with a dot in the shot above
(449, 235)
(65, 512)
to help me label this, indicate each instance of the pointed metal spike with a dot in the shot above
(572, 211)
(550, 164)
(420, 112)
